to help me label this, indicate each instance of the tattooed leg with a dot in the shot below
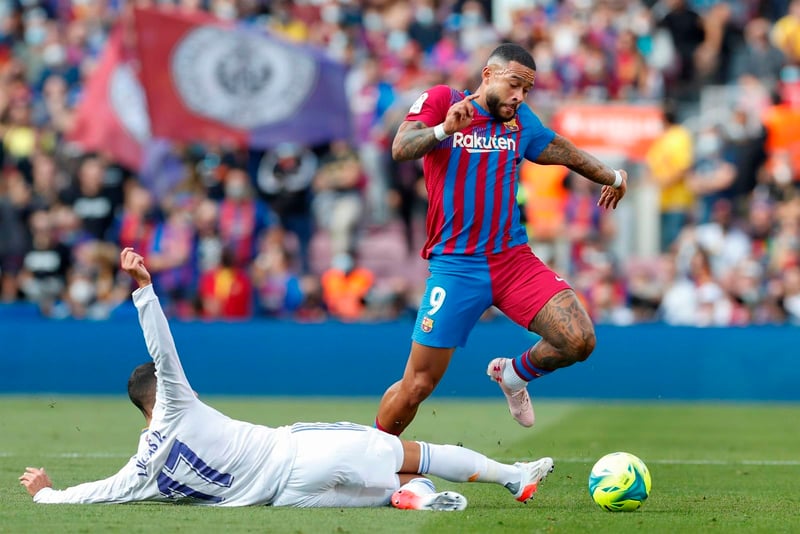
(567, 337)
(567, 333)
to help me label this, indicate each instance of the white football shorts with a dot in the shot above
(342, 465)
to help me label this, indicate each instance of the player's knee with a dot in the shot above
(577, 348)
(589, 344)
(418, 389)
(583, 346)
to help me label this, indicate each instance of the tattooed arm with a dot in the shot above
(413, 140)
(561, 151)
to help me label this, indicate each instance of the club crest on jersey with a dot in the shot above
(427, 324)
(511, 125)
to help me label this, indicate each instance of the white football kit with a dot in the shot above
(191, 452)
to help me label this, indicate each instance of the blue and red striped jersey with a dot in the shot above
(471, 177)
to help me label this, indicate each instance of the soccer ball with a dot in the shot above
(619, 482)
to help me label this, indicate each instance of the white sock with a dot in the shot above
(510, 377)
(458, 464)
(419, 486)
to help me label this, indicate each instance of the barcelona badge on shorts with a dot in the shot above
(427, 324)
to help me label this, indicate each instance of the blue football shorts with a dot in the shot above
(461, 288)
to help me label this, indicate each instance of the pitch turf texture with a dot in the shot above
(716, 467)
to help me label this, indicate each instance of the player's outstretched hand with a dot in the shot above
(35, 479)
(459, 116)
(610, 197)
(133, 264)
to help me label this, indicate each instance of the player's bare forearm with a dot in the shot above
(561, 151)
(413, 140)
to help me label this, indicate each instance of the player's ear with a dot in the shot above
(486, 73)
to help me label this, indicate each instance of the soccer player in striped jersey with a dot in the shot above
(472, 146)
(192, 453)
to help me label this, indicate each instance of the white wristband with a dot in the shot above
(439, 133)
(617, 179)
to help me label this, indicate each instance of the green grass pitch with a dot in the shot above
(716, 467)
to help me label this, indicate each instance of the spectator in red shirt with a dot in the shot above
(226, 291)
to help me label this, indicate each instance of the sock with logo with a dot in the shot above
(521, 371)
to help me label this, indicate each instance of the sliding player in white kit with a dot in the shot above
(190, 452)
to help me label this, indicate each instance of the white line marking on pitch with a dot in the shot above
(69, 455)
(90, 455)
(690, 462)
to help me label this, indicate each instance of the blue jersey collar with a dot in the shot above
(478, 106)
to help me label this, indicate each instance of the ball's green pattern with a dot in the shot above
(619, 482)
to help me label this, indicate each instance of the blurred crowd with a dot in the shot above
(334, 231)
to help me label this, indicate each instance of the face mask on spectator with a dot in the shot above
(707, 145)
(373, 22)
(736, 131)
(425, 15)
(331, 14)
(782, 171)
(225, 11)
(236, 191)
(544, 63)
(397, 40)
(471, 19)
(81, 291)
(54, 54)
(34, 35)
